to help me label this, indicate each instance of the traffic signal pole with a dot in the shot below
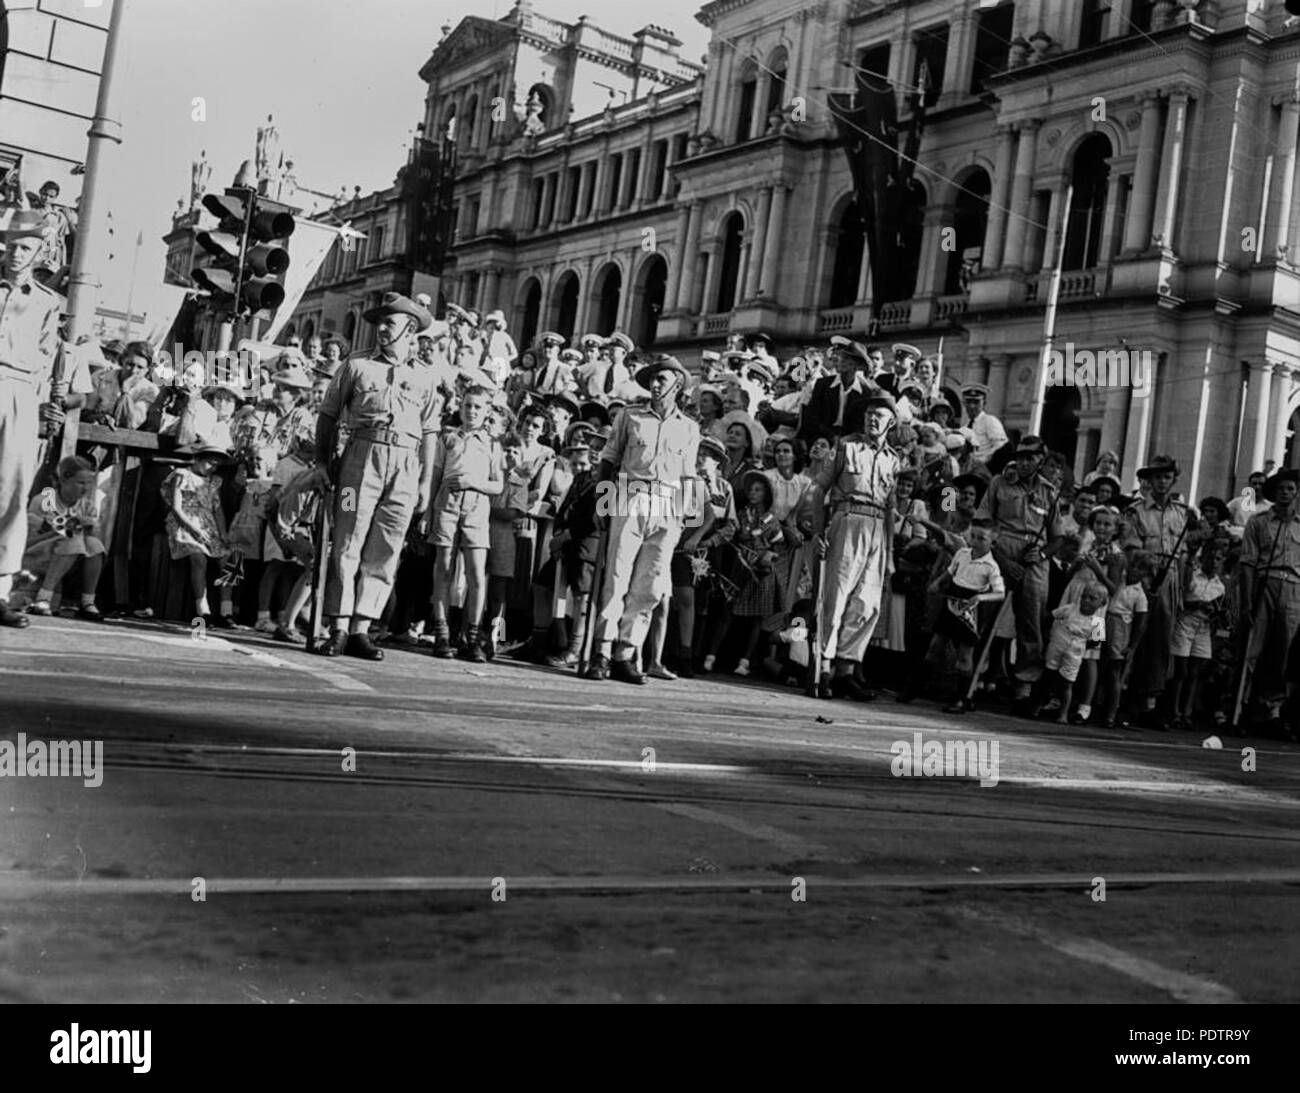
(92, 238)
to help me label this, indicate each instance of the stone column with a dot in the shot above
(491, 289)
(1279, 413)
(1171, 167)
(1137, 434)
(961, 55)
(772, 249)
(999, 379)
(675, 268)
(995, 230)
(1121, 11)
(690, 257)
(747, 260)
(1021, 195)
(1052, 239)
(628, 182)
(600, 185)
(757, 255)
(1284, 179)
(1106, 247)
(1254, 432)
(1137, 232)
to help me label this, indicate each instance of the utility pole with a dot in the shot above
(104, 136)
(1049, 322)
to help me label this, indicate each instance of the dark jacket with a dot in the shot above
(823, 407)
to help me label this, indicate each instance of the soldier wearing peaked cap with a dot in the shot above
(604, 374)
(29, 346)
(391, 403)
(552, 375)
(984, 431)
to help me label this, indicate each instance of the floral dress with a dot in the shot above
(198, 499)
(55, 528)
(758, 536)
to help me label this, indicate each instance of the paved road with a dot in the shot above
(427, 830)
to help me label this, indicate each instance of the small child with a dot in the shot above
(300, 458)
(757, 538)
(196, 526)
(509, 506)
(466, 473)
(1126, 621)
(59, 521)
(1101, 562)
(1078, 627)
(291, 517)
(1191, 648)
(972, 578)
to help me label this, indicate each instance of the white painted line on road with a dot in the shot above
(12, 886)
(1183, 987)
(785, 841)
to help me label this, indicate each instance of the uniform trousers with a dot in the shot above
(855, 580)
(1153, 660)
(1274, 628)
(637, 566)
(19, 411)
(1028, 604)
(374, 499)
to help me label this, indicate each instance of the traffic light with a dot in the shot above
(248, 258)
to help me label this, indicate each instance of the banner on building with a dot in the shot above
(427, 192)
(889, 201)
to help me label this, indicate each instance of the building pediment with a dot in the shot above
(473, 36)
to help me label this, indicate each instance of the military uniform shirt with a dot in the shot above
(29, 335)
(862, 471)
(380, 394)
(1262, 531)
(650, 448)
(1156, 528)
(1017, 508)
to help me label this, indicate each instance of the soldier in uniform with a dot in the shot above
(652, 455)
(29, 343)
(1156, 522)
(1270, 569)
(1020, 502)
(384, 479)
(859, 485)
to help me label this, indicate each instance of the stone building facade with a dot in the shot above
(721, 200)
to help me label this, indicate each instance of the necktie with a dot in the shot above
(609, 380)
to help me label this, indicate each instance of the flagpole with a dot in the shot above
(1049, 321)
(130, 289)
(104, 134)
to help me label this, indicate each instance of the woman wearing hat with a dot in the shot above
(744, 438)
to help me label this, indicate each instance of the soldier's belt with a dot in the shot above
(12, 371)
(386, 436)
(646, 485)
(860, 508)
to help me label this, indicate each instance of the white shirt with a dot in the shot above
(786, 492)
(986, 435)
(978, 574)
(1241, 509)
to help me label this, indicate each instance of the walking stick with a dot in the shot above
(321, 533)
(1256, 598)
(815, 637)
(593, 603)
(981, 662)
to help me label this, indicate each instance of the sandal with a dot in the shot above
(40, 607)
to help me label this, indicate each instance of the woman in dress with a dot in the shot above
(789, 485)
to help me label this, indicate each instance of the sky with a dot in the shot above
(340, 77)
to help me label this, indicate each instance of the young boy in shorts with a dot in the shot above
(1076, 627)
(1126, 620)
(466, 473)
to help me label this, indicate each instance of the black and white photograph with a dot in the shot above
(555, 501)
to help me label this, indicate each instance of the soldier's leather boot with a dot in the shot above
(360, 645)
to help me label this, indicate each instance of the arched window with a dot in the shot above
(564, 304)
(1088, 204)
(777, 65)
(733, 231)
(649, 301)
(748, 94)
(530, 312)
(969, 216)
(449, 123)
(849, 241)
(609, 295)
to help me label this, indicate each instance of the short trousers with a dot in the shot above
(1192, 635)
(578, 574)
(1064, 659)
(1119, 633)
(465, 511)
